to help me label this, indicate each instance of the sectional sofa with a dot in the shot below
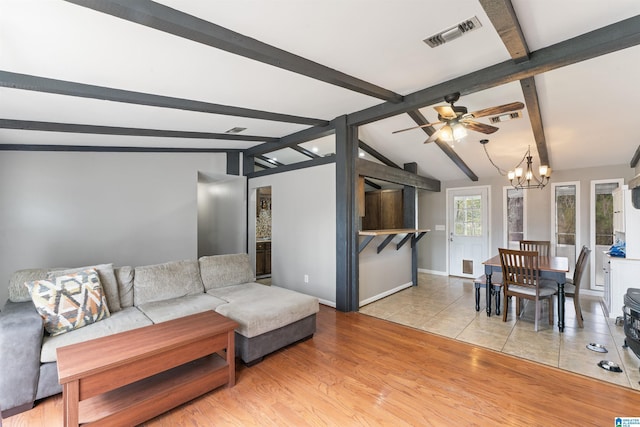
(270, 317)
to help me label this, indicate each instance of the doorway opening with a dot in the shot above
(263, 232)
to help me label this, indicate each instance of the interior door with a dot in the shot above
(467, 230)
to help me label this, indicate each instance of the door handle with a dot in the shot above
(451, 237)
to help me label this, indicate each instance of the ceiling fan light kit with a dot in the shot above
(457, 120)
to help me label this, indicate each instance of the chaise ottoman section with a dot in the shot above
(269, 317)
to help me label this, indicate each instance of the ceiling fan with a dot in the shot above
(457, 120)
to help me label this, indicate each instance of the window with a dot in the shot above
(601, 227)
(565, 220)
(514, 217)
(468, 216)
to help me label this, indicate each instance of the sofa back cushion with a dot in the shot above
(164, 281)
(124, 276)
(107, 279)
(18, 292)
(225, 270)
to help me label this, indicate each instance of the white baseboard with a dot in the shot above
(385, 294)
(435, 272)
(327, 302)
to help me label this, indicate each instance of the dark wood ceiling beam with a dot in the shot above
(611, 38)
(399, 176)
(269, 161)
(113, 130)
(172, 21)
(505, 21)
(304, 151)
(376, 154)
(635, 158)
(292, 139)
(421, 120)
(535, 116)
(62, 87)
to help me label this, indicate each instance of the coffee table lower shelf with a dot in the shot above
(147, 398)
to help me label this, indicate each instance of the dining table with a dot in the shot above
(551, 267)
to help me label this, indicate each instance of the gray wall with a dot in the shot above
(303, 229)
(71, 209)
(222, 223)
(381, 274)
(432, 211)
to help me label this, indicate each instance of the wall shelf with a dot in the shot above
(413, 234)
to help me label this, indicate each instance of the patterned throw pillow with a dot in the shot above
(69, 302)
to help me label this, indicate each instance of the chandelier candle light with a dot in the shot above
(521, 179)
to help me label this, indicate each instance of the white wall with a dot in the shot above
(71, 209)
(432, 207)
(303, 229)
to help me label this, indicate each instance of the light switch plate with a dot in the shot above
(439, 227)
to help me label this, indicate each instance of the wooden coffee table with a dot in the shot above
(130, 377)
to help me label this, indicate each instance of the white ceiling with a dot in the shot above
(588, 109)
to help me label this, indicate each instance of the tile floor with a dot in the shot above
(446, 306)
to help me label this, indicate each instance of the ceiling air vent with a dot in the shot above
(505, 117)
(454, 32)
(236, 130)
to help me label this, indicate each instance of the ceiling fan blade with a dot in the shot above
(434, 136)
(446, 112)
(478, 127)
(417, 127)
(493, 111)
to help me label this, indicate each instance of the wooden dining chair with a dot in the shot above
(521, 279)
(543, 247)
(572, 286)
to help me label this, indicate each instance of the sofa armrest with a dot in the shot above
(21, 331)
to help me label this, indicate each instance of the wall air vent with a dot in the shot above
(505, 117)
(454, 32)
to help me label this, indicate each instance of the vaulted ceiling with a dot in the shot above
(181, 73)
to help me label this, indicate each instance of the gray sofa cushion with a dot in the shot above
(18, 292)
(124, 320)
(165, 281)
(225, 270)
(169, 309)
(107, 280)
(124, 276)
(259, 309)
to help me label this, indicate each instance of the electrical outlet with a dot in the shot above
(306, 278)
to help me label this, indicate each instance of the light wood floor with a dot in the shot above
(359, 370)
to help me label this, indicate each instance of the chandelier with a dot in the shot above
(526, 179)
(523, 179)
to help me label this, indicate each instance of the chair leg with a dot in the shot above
(505, 309)
(576, 303)
(537, 316)
(477, 286)
(550, 311)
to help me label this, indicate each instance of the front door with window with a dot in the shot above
(468, 228)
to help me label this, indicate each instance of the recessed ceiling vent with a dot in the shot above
(505, 117)
(236, 130)
(454, 32)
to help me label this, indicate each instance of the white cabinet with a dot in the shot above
(619, 275)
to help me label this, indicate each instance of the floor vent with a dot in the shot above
(454, 32)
